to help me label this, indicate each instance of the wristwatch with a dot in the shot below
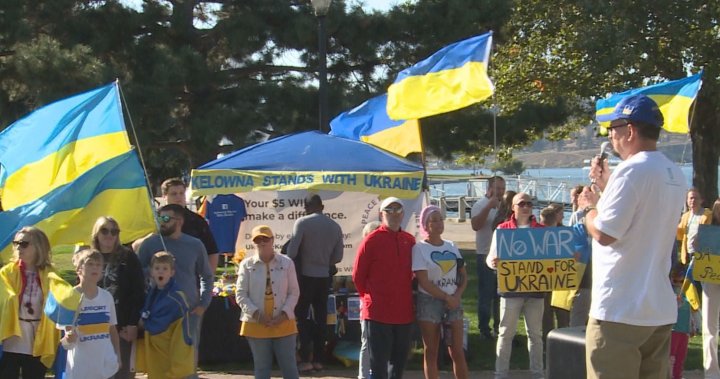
(588, 209)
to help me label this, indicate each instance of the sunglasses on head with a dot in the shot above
(391, 210)
(165, 218)
(21, 244)
(524, 204)
(113, 232)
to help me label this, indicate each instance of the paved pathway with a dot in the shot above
(350, 373)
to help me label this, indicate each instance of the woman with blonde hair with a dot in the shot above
(28, 337)
(124, 279)
(440, 272)
(267, 292)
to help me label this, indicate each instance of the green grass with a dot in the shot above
(481, 353)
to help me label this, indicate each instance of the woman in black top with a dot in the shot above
(124, 279)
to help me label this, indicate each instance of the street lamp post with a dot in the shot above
(321, 9)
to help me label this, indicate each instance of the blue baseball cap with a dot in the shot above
(639, 108)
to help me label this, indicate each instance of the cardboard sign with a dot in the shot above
(707, 256)
(538, 260)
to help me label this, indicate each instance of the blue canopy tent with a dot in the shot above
(313, 161)
(273, 178)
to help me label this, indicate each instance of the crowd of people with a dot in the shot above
(113, 305)
(637, 316)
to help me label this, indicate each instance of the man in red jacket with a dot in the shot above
(383, 277)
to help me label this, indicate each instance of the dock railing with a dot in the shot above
(544, 191)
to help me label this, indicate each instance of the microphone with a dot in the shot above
(605, 149)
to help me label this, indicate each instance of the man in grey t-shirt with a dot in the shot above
(482, 216)
(191, 265)
(318, 243)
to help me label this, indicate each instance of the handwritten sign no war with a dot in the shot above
(536, 260)
(707, 256)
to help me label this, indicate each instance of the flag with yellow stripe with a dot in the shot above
(370, 123)
(673, 97)
(452, 78)
(55, 144)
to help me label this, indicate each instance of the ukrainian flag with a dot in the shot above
(674, 99)
(62, 300)
(47, 336)
(452, 78)
(115, 187)
(581, 245)
(55, 144)
(689, 289)
(370, 123)
(55, 171)
(167, 349)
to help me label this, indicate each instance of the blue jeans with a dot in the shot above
(488, 300)
(195, 325)
(283, 348)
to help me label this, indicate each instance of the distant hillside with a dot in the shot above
(566, 154)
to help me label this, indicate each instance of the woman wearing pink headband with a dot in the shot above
(439, 269)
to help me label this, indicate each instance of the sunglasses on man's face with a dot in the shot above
(21, 244)
(525, 204)
(391, 210)
(113, 232)
(165, 218)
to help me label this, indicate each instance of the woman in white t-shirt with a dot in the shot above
(439, 269)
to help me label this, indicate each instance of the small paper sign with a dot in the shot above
(707, 255)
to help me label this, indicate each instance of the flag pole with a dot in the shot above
(123, 104)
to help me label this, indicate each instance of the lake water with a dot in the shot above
(570, 176)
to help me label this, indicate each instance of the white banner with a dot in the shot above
(351, 210)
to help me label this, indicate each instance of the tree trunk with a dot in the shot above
(705, 135)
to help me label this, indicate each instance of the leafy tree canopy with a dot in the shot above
(193, 71)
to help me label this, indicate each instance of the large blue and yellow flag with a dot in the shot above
(116, 188)
(674, 99)
(370, 123)
(452, 78)
(68, 163)
(55, 144)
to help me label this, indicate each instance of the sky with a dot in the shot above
(381, 5)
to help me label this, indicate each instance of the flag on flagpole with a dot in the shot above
(452, 78)
(370, 123)
(62, 301)
(67, 214)
(55, 144)
(673, 97)
(68, 163)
